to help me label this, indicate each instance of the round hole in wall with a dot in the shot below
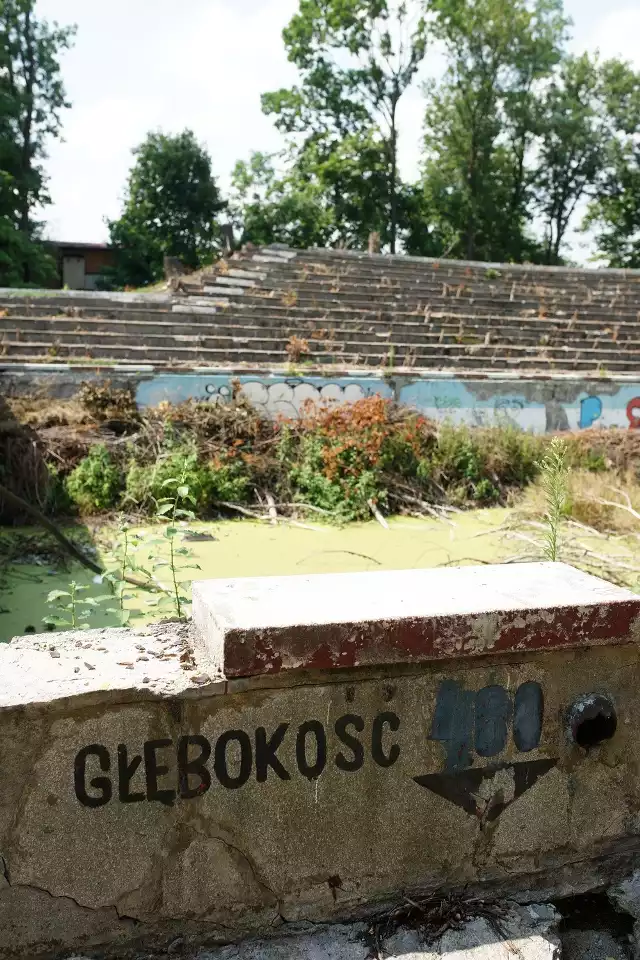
(592, 720)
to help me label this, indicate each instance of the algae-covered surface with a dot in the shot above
(244, 548)
(247, 549)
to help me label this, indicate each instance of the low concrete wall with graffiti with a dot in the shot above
(538, 404)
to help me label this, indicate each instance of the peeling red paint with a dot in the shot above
(329, 647)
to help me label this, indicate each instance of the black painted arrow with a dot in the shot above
(461, 787)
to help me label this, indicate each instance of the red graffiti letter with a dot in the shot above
(633, 413)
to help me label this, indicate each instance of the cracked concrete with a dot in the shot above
(214, 811)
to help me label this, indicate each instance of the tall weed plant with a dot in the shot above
(555, 484)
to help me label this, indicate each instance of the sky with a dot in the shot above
(138, 66)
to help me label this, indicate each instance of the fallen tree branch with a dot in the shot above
(351, 553)
(271, 504)
(615, 503)
(15, 501)
(376, 513)
(262, 519)
(68, 545)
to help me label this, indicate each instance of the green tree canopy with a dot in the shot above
(481, 121)
(614, 211)
(32, 100)
(326, 196)
(170, 209)
(356, 59)
(575, 132)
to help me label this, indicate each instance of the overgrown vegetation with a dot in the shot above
(167, 558)
(340, 462)
(95, 484)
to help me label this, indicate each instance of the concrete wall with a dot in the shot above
(313, 748)
(537, 405)
(542, 404)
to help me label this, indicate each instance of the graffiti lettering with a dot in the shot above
(465, 720)
(446, 403)
(536, 409)
(633, 413)
(590, 410)
(507, 405)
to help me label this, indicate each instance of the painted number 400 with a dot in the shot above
(481, 721)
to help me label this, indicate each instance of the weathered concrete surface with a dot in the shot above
(271, 624)
(593, 945)
(541, 402)
(293, 835)
(103, 666)
(153, 798)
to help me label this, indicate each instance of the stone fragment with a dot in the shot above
(592, 945)
(626, 895)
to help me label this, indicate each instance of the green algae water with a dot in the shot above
(244, 548)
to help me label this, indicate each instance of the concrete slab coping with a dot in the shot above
(267, 625)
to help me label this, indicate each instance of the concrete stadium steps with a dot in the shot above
(379, 286)
(350, 309)
(351, 353)
(247, 328)
(388, 273)
(324, 309)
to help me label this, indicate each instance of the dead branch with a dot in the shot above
(376, 513)
(15, 501)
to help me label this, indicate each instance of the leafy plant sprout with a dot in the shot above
(174, 509)
(555, 475)
(74, 611)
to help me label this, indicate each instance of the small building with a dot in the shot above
(81, 264)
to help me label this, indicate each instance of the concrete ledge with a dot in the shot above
(271, 624)
(145, 796)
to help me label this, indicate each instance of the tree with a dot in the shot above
(482, 118)
(170, 209)
(325, 196)
(32, 99)
(572, 146)
(614, 211)
(357, 58)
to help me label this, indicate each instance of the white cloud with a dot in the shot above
(616, 34)
(137, 67)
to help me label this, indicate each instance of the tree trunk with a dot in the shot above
(23, 507)
(29, 65)
(558, 242)
(470, 230)
(393, 178)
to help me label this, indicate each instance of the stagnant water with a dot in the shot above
(244, 548)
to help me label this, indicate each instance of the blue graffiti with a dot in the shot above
(590, 410)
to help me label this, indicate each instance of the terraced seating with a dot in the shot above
(275, 307)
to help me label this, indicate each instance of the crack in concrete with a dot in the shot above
(67, 897)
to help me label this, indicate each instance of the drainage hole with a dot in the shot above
(596, 730)
(592, 720)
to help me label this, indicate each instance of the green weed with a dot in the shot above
(96, 483)
(74, 611)
(554, 478)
